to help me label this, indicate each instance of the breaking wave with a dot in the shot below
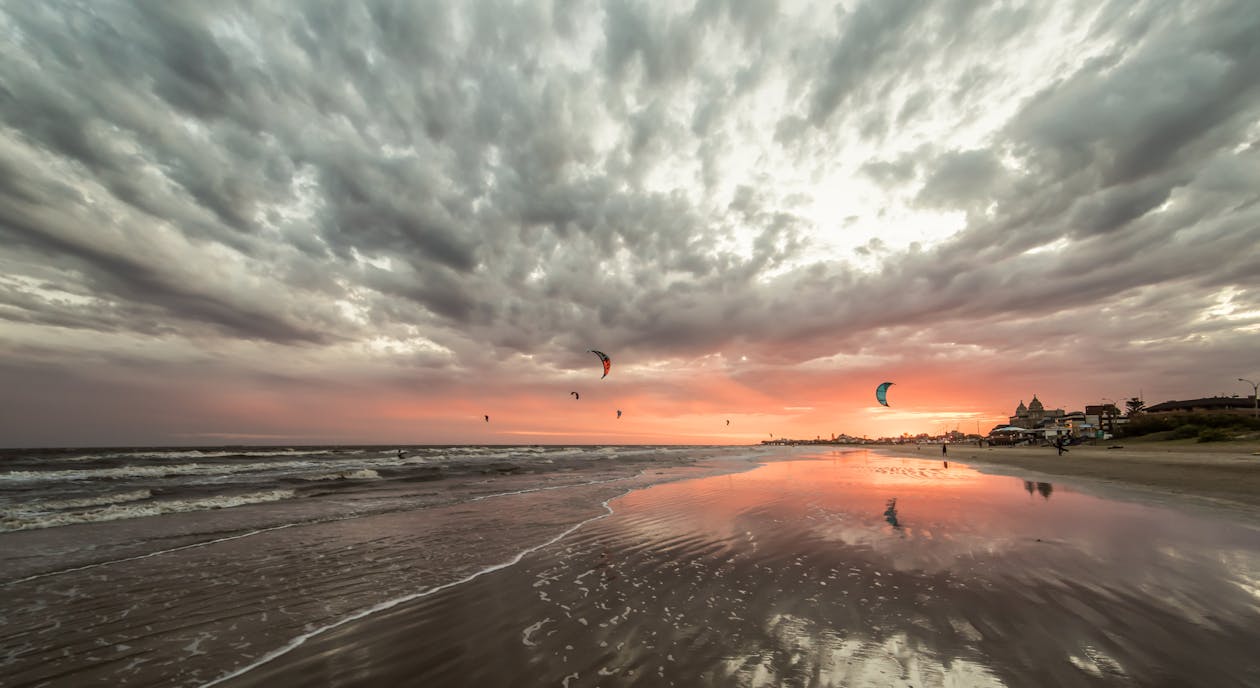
(27, 519)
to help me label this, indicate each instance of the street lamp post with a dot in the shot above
(1255, 401)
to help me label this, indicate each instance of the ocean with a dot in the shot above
(57, 487)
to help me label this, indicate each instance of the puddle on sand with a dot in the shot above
(849, 569)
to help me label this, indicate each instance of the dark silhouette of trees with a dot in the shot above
(1134, 406)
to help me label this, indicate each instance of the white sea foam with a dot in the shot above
(150, 471)
(200, 454)
(26, 520)
(80, 502)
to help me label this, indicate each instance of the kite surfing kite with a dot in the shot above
(603, 358)
(728, 422)
(576, 396)
(881, 392)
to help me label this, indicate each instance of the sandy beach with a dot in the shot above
(1216, 474)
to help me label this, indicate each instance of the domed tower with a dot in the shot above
(1020, 419)
(1036, 412)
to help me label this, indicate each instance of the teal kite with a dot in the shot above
(881, 392)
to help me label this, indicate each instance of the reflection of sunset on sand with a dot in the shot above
(1227, 474)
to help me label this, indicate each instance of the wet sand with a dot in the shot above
(1210, 474)
(847, 570)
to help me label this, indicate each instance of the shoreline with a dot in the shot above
(300, 574)
(1216, 476)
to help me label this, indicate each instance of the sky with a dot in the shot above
(379, 222)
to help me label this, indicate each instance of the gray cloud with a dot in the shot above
(961, 177)
(496, 180)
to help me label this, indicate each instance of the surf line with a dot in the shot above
(280, 527)
(389, 604)
(555, 487)
(150, 554)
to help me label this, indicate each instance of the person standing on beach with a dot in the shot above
(943, 449)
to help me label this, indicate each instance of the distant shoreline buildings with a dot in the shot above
(1034, 423)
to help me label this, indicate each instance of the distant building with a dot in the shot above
(1105, 416)
(1208, 404)
(1035, 415)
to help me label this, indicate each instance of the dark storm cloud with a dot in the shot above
(532, 178)
(425, 207)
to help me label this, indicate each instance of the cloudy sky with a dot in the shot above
(375, 222)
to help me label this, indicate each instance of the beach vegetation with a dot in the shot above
(1214, 435)
(1186, 425)
(1186, 431)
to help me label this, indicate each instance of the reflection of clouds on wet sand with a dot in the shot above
(1244, 569)
(840, 661)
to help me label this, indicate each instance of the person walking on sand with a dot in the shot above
(1058, 444)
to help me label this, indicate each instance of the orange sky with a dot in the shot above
(672, 408)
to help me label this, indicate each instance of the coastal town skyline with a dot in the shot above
(384, 223)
